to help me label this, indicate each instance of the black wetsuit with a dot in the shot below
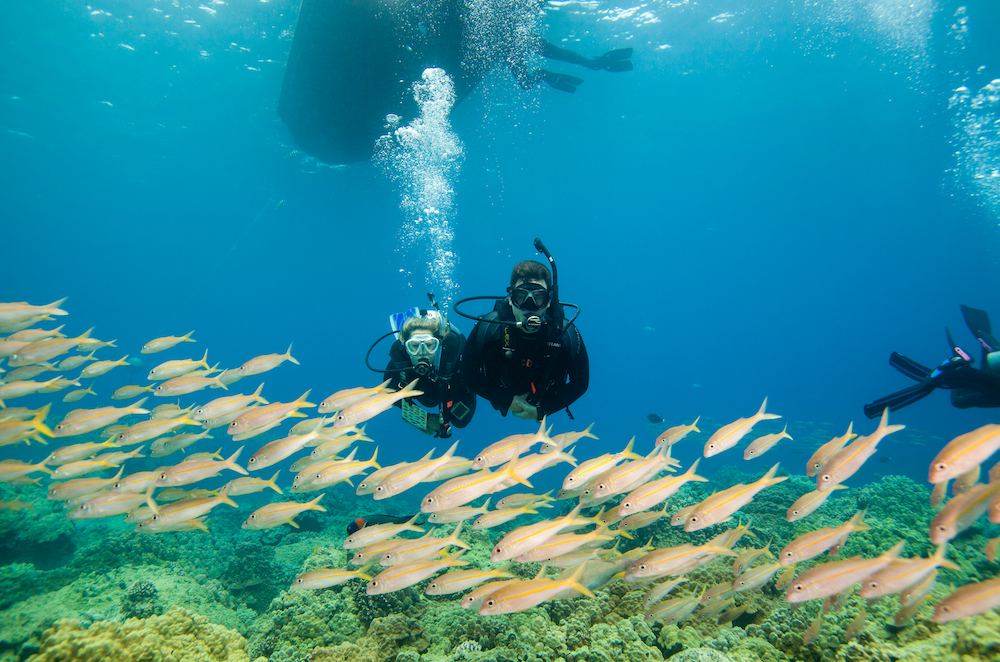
(501, 361)
(441, 387)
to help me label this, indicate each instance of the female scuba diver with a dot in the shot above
(428, 348)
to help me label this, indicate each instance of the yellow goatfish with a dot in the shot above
(671, 436)
(831, 578)
(654, 493)
(43, 350)
(228, 405)
(13, 469)
(729, 435)
(809, 503)
(521, 595)
(844, 463)
(421, 548)
(15, 313)
(763, 444)
(718, 507)
(961, 512)
(969, 600)
(327, 577)
(587, 471)
(904, 573)
(178, 512)
(192, 471)
(374, 405)
(461, 580)
(265, 362)
(403, 575)
(344, 398)
(130, 391)
(965, 452)
(99, 368)
(513, 446)
(814, 543)
(171, 369)
(463, 489)
(166, 342)
(526, 538)
(276, 514)
(81, 421)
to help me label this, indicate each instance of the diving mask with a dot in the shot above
(423, 350)
(530, 296)
(422, 345)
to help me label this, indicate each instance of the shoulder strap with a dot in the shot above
(486, 332)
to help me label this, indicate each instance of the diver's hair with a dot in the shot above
(531, 270)
(426, 323)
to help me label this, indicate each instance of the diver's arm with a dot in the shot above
(579, 380)
(472, 373)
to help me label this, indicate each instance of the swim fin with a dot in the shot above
(909, 367)
(616, 60)
(561, 82)
(899, 399)
(979, 323)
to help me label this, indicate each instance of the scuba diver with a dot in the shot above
(969, 386)
(428, 349)
(523, 356)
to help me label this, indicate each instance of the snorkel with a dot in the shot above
(531, 323)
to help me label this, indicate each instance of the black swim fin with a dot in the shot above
(898, 400)
(979, 323)
(909, 367)
(616, 60)
(561, 82)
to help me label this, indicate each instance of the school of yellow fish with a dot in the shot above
(639, 484)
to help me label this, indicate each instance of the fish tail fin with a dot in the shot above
(896, 550)
(762, 416)
(314, 504)
(204, 361)
(567, 456)
(857, 522)
(384, 386)
(149, 498)
(691, 475)
(721, 551)
(573, 581)
(451, 451)
(883, 425)
(454, 537)
(54, 307)
(770, 478)
(302, 399)
(272, 484)
(38, 422)
(374, 456)
(288, 355)
(588, 433)
(694, 426)
(411, 524)
(510, 469)
(187, 337)
(628, 451)
(85, 334)
(942, 562)
(784, 433)
(231, 462)
(256, 394)
(224, 495)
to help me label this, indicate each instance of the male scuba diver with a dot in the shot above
(428, 349)
(523, 356)
(969, 386)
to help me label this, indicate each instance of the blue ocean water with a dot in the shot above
(780, 195)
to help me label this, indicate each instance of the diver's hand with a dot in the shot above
(523, 410)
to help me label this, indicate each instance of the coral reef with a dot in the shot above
(176, 636)
(140, 601)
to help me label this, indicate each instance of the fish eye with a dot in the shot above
(491, 602)
(693, 519)
(788, 554)
(800, 587)
(873, 584)
(642, 567)
(429, 500)
(252, 460)
(940, 466)
(825, 478)
(626, 505)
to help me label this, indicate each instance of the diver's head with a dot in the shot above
(421, 337)
(529, 294)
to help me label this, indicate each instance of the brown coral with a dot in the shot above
(176, 636)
